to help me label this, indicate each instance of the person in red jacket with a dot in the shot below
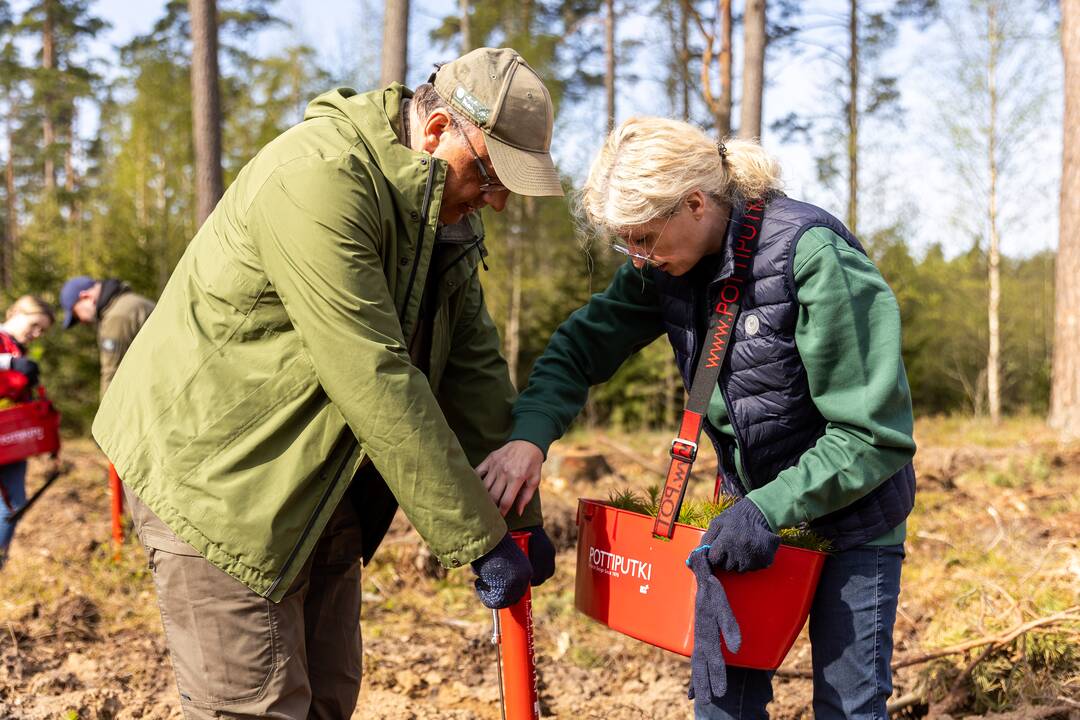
(27, 319)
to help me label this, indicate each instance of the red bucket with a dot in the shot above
(639, 585)
(30, 428)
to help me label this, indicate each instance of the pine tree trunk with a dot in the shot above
(395, 41)
(609, 57)
(464, 12)
(48, 128)
(723, 117)
(753, 85)
(205, 107)
(69, 187)
(11, 237)
(163, 257)
(1065, 382)
(993, 362)
(853, 120)
(684, 57)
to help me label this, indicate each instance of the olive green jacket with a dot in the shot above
(276, 361)
(120, 321)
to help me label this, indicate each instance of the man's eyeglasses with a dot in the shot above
(487, 184)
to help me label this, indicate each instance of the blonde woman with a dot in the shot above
(27, 319)
(811, 413)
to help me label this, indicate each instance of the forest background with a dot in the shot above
(932, 127)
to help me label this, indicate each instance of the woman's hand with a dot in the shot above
(511, 474)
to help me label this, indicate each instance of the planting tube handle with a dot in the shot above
(722, 319)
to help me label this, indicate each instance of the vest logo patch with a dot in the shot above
(752, 324)
(108, 345)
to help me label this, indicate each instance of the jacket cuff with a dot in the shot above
(779, 505)
(536, 428)
(473, 550)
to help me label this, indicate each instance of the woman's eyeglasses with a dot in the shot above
(631, 248)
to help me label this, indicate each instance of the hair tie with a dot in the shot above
(722, 149)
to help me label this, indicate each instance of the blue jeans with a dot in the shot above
(13, 478)
(851, 625)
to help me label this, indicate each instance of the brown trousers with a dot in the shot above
(237, 654)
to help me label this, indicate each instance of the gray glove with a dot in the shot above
(713, 619)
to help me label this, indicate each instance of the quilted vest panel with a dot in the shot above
(763, 380)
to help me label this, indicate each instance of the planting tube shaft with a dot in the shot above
(518, 664)
(117, 493)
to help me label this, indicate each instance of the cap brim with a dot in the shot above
(524, 172)
(69, 319)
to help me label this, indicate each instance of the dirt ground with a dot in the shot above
(992, 545)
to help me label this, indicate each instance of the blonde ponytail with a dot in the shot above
(649, 164)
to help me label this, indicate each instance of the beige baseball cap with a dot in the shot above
(497, 90)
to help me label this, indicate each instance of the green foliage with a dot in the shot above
(129, 211)
(945, 350)
(699, 513)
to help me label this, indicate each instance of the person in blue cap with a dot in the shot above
(116, 311)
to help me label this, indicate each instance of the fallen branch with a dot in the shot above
(1069, 615)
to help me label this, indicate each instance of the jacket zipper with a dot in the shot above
(424, 209)
(311, 520)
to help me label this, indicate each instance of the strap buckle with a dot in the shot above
(685, 450)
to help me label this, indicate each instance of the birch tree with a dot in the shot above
(996, 104)
(1065, 382)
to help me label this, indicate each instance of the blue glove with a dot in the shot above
(713, 618)
(502, 575)
(541, 554)
(740, 539)
(27, 367)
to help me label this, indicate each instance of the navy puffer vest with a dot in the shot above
(763, 380)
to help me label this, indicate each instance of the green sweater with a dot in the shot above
(847, 334)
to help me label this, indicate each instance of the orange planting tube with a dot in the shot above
(519, 666)
(117, 493)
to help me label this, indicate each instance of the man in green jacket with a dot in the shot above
(320, 355)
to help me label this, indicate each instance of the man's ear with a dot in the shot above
(86, 294)
(437, 124)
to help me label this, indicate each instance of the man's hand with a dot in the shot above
(511, 474)
(502, 576)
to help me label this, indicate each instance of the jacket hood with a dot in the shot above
(376, 117)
